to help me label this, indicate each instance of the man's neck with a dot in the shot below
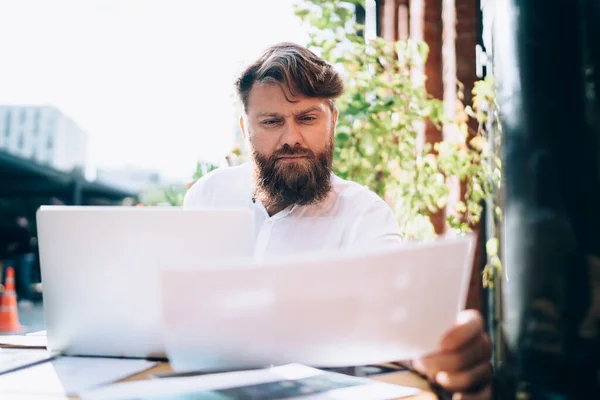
(272, 207)
(274, 210)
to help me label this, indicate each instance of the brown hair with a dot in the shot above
(295, 67)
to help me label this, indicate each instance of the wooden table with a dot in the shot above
(403, 378)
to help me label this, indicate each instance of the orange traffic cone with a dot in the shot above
(9, 315)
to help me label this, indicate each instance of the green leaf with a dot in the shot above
(329, 45)
(423, 50)
(301, 13)
(492, 247)
(379, 114)
(341, 138)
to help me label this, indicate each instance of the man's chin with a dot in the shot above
(293, 174)
(295, 166)
(291, 160)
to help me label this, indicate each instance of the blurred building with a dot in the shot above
(134, 179)
(43, 159)
(43, 134)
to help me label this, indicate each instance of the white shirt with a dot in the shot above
(351, 216)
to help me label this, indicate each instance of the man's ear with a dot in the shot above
(335, 115)
(242, 127)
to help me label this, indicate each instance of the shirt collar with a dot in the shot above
(320, 207)
(281, 214)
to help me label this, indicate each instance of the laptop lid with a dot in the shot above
(100, 270)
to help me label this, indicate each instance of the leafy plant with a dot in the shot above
(381, 115)
(174, 195)
(485, 111)
(378, 137)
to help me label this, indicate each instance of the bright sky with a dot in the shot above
(150, 81)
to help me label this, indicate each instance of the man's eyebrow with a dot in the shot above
(269, 114)
(309, 110)
(301, 112)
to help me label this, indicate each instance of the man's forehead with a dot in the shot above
(276, 98)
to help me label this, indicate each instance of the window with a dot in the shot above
(36, 122)
(23, 116)
(7, 121)
(50, 143)
(21, 141)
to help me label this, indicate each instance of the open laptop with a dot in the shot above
(100, 270)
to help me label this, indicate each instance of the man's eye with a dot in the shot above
(270, 122)
(308, 119)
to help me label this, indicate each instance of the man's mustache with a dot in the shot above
(288, 150)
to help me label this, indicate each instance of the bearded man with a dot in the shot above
(289, 118)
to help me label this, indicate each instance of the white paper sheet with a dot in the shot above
(11, 359)
(358, 388)
(319, 310)
(37, 333)
(68, 375)
(35, 341)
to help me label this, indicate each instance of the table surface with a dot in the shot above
(403, 378)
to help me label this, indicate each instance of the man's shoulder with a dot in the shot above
(224, 182)
(356, 193)
(225, 175)
(372, 219)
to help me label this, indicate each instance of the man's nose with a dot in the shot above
(291, 135)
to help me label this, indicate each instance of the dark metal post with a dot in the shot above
(77, 195)
(360, 14)
(552, 197)
(78, 179)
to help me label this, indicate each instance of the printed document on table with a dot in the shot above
(69, 375)
(322, 310)
(285, 382)
(11, 358)
(23, 341)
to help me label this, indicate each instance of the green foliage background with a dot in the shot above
(381, 114)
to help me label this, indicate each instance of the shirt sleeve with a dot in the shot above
(376, 226)
(195, 196)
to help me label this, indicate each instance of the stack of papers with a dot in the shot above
(67, 375)
(12, 359)
(22, 341)
(33, 340)
(286, 382)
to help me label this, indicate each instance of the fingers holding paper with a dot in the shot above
(463, 363)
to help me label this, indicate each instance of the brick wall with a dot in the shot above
(393, 23)
(467, 28)
(432, 35)
(425, 23)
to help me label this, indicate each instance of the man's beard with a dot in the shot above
(279, 184)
